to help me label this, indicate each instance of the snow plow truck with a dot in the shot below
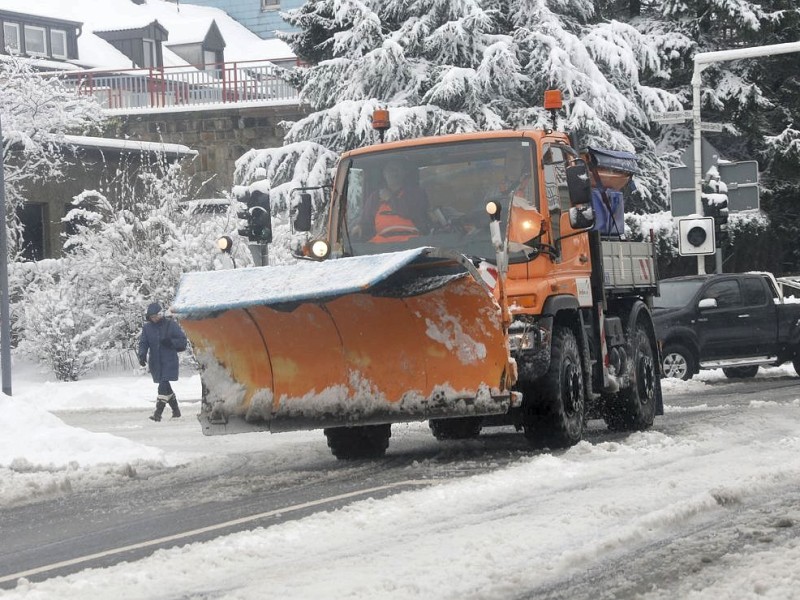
(489, 283)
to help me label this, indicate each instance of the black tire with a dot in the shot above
(634, 408)
(554, 417)
(678, 362)
(740, 372)
(462, 428)
(351, 443)
(796, 365)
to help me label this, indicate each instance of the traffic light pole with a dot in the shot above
(701, 61)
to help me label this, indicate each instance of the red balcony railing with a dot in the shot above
(223, 83)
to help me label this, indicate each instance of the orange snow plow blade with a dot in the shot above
(375, 339)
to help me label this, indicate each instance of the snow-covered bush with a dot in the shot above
(62, 322)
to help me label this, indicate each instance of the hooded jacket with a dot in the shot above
(159, 344)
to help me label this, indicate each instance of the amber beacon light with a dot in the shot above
(380, 121)
(552, 100)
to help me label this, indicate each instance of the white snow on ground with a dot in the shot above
(544, 518)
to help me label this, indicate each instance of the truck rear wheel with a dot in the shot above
(461, 428)
(634, 408)
(350, 443)
(740, 372)
(555, 417)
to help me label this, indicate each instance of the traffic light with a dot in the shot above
(696, 236)
(260, 217)
(257, 213)
(243, 214)
(717, 208)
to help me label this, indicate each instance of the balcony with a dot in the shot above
(133, 90)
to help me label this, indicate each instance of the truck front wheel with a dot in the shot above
(678, 362)
(634, 408)
(554, 416)
(350, 443)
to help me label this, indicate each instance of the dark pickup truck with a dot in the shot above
(736, 321)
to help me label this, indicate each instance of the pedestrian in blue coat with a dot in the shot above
(162, 339)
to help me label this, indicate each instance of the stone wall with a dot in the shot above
(220, 136)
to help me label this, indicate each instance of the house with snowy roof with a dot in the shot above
(185, 80)
(120, 34)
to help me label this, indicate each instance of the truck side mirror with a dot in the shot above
(707, 303)
(579, 184)
(302, 218)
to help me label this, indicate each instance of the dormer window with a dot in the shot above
(149, 56)
(58, 43)
(35, 40)
(11, 35)
(142, 44)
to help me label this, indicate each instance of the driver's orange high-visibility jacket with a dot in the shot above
(391, 227)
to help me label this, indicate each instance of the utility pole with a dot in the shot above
(701, 61)
(5, 319)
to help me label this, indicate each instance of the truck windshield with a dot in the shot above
(675, 294)
(435, 195)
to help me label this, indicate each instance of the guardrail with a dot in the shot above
(224, 83)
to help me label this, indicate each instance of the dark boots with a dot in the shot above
(162, 402)
(173, 404)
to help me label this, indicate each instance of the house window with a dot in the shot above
(270, 4)
(58, 43)
(149, 54)
(35, 40)
(209, 60)
(11, 34)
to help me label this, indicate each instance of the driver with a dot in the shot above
(398, 211)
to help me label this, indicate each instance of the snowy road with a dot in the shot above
(708, 502)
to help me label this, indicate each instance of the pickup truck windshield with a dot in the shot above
(675, 294)
(435, 195)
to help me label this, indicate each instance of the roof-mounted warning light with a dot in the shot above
(553, 103)
(380, 121)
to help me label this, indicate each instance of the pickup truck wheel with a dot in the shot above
(742, 372)
(462, 428)
(677, 362)
(634, 408)
(555, 418)
(350, 443)
(796, 365)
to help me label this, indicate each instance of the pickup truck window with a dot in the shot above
(725, 292)
(675, 294)
(753, 292)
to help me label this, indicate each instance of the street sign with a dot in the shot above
(712, 127)
(740, 177)
(673, 116)
(696, 236)
(742, 181)
(682, 203)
